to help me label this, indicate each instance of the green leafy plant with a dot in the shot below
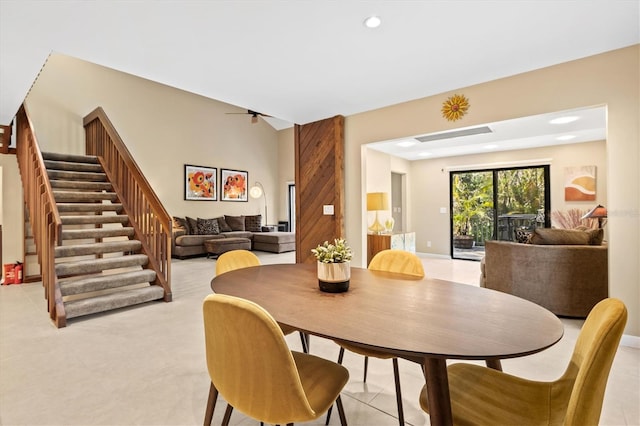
(336, 252)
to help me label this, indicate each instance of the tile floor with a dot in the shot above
(145, 365)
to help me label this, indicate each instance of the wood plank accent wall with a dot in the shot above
(319, 174)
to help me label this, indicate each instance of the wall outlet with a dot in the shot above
(428, 243)
(443, 210)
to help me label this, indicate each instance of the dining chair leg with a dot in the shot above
(396, 375)
(211, 405)
(343, 418)
(227, 415)
(304, 339)
(366, 367)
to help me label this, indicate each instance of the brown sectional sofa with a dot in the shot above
(568, 279)
(187, 241)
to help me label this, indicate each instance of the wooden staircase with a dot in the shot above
(99, 233)
(99, 264)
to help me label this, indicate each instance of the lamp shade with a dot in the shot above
(597, 212)
(377, 201)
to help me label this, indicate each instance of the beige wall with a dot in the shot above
(610, 79)
(164, 129)
(431, 184)
(11, 215)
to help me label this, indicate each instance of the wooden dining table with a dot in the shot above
(423, 320)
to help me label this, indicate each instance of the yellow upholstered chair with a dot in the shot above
(253, 369)
(398, 261)
(237, 259)
(483, 396)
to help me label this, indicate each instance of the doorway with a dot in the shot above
(496, 204)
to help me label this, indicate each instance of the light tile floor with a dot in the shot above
(145, 365)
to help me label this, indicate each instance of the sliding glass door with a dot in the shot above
(496, 204)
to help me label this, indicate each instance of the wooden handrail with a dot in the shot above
(43, 211)
(150, 220)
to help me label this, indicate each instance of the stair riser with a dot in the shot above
(89, 197)
(89, 186)
(82, 176)
(94, 219)
(54, 156)
(72, 208)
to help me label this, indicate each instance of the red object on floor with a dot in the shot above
(17, 273)
(9, 273)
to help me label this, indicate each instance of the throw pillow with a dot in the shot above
(253, 223)
(522, 236)
(181, 224)
(193, 225)
(208, 227)
(236, 223)
(552, 236)
(596, 237)
(223, 225)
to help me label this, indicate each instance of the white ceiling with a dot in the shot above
(528, 132)
(301, 61)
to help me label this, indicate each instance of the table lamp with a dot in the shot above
(598, 212)
(377, 201)
(257, 191)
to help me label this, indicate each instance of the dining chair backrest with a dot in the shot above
(399, 261)
(591, 362)
(250, 363)
(235, 259)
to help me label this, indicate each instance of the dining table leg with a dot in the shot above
(435, 370)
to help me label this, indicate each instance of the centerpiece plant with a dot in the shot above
(334, 270)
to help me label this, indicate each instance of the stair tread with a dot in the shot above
(75, 166)
(69, 175)
(92, 266)
(88, 207)
(56, 156)
(93, 283)
(86, 185)
(112, 301)
(96, 248)
(74, 234)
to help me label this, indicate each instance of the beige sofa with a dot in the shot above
(566, 279)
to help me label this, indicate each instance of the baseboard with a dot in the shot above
(630, 341)
(437, 256)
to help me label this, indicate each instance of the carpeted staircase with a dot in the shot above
(99, 265)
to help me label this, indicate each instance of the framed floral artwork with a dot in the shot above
(233, 186)
(200, 183)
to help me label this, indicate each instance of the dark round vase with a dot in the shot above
(338, 287)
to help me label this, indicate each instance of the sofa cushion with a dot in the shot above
(223, 225)
(236, 223)
(208, 227)
(181, 224)
(237, 234)
(194, 240)
(193, 225)
(552, 236)
(253, 223)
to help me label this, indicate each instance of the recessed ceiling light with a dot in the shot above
(372, 22)
(424, 154)
(490, 146)
(564, 120)
(406, 144)
(565, 137)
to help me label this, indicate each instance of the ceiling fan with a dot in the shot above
(254, 115)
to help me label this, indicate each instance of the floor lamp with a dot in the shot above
(257, 191)
(377, 201)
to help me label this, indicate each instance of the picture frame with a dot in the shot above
(234, 185)
(200, 183)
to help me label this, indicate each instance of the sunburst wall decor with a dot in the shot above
(455, 107)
